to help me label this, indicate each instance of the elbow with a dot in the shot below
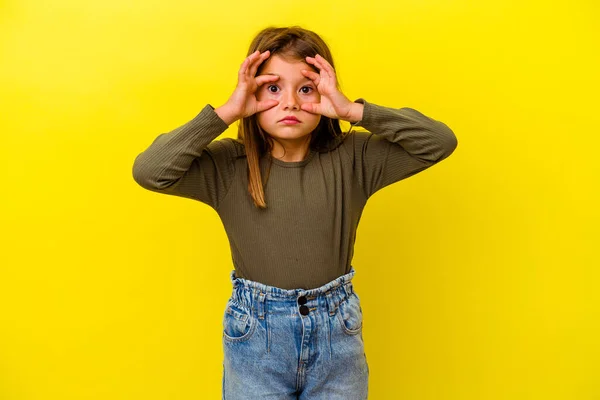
(138, 175)
(449, 142)
(142, 175)
(150, 177)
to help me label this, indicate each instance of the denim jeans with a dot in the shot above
(303, 344)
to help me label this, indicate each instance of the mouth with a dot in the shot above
(290, 120)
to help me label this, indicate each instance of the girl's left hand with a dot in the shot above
(333, 103)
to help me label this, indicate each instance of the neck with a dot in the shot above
(291, 151)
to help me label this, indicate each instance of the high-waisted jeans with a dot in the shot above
(303, 344)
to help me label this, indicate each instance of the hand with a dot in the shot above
(333, 102)
(243, 102)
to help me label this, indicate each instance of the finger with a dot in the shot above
(313, 61)
(311, 108)
(313, 76)
(324, 66)
(323, 74)
(244, 65)
(319, 65)
(265, 105)
(254, 65)
(251, 60)
(323, 61)
(262, 79)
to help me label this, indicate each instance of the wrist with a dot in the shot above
(226, 114)
(356, 113)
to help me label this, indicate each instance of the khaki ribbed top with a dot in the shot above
(305, 237)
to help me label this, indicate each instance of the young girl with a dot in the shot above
(290, 191)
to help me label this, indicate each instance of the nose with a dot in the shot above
(291, 102)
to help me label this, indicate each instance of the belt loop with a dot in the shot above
(330, 303)
(252, 296)
(350, 287)
(346, 292)
(260, 306)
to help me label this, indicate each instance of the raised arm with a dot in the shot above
(399, 144)
(187, 161)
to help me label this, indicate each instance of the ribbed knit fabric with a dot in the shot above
(305, 237)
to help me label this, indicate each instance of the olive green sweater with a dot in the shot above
(305, 237)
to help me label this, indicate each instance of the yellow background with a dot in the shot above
(479, 277)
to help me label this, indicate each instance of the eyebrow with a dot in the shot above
(280, 78)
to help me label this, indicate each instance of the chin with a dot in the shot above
(289, 135)
(284, 132)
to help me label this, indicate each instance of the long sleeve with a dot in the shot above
(188, 162)
(399, 144)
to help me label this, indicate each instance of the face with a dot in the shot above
(291, 90)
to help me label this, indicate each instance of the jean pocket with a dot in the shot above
(350, 315)
(238, 323)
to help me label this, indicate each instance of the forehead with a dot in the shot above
(275, 65)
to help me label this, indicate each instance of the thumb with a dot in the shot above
(265, 105)
(313, 108)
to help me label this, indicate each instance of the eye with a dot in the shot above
(304, 89)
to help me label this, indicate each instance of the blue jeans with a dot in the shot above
(303, 344)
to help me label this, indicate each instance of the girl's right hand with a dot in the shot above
(243, 102)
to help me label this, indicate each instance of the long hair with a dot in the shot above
(294, 43)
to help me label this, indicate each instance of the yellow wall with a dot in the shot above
(478, 277)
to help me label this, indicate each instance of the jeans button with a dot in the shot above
(302, 300)
(303, 310)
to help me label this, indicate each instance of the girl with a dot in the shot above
(290, 191)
